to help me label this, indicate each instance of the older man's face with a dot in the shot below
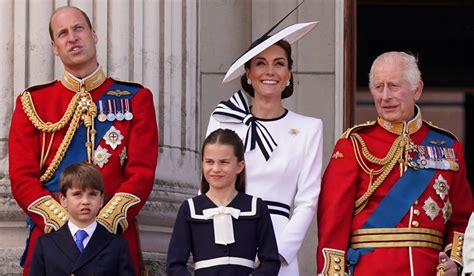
(393, 95)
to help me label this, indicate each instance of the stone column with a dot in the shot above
(153, 42)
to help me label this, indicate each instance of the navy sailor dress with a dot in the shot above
(217, 250)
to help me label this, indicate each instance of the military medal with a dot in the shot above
(441, 187)
(113, 137)
(120, 116)
(128, 114)
(431, 208)
(101, 117)
(435, 157)
(447, 211)
(123, 156)
(101, 156)
(110, 114)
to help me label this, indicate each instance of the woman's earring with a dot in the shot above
(288, 83)
(249, 82)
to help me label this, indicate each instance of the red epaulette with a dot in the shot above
(126, 82)
(355, 128)
(39, 86)
(442, 130)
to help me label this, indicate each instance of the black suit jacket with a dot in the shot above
(57, 254)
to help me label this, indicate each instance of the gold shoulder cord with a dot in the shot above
(398, 153)
(81, 107)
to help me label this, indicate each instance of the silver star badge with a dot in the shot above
(441, 187)
(101, 156)
(431, 208)
(113, 137)
(447, 211)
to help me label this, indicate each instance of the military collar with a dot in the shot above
(398, 128)
(90, 82)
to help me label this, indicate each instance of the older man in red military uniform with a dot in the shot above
(84, 116)
(395, 199)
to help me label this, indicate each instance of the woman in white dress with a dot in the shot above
(283, 149)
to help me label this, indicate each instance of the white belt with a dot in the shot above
(224, 261)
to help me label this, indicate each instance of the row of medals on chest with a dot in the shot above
(433, 157)
(114, 109)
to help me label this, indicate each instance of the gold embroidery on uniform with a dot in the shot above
(337, 155)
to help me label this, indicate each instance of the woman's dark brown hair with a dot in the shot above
(225, 137)
(288, 91)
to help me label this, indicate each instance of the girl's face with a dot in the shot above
(220, 166)
(269, 72)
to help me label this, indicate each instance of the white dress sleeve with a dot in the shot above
(306, 198)
(468, 247)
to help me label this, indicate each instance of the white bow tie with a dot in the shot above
(222, 220)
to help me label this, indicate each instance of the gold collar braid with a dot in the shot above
(81, 107)
(399, 152)
(89, 83)
(411, 126)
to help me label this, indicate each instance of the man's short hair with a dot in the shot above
(83, 176)
(410, 67)
(88, 21)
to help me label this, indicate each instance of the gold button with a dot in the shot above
(51, 207)
(415, 223)
(114, 203)
(337, 260)
(337, 268)
(47, 203)
(416, 212)
(56, 211)
(118, 199)
(460, 238)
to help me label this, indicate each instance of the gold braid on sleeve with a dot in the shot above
(80, 107)
(398, 153)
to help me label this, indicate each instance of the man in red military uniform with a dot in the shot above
(84, 116)
(395, 199)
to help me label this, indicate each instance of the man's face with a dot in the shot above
(73, 41)
(82, 205)
(393, 95)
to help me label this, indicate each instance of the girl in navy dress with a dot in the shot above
(223, 228)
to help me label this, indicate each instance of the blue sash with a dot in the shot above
(399, 200)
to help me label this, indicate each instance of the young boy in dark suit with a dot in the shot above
(81, 246)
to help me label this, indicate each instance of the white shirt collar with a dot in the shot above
(89, 229)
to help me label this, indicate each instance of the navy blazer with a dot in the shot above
(57, 254)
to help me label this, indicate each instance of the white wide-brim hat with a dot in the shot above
(290, 34)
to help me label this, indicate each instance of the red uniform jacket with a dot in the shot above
(129, 171)
(344, 181)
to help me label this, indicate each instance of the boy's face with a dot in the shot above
(82, 205)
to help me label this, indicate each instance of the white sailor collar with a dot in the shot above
(245, 204)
